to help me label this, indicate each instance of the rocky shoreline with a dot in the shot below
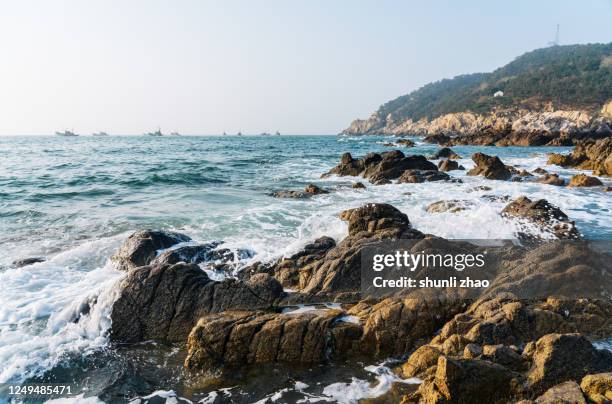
(504, 127)
(495, 347)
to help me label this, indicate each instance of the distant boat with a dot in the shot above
(98, 134)
(66, 133)
(277, 133)
(157, 133)
(264, 134)
(239, 134)
(175, 134)
(224, 134)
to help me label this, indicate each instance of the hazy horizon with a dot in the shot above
(299, 67)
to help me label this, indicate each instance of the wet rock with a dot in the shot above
(449, 165)
(582, 180)
(163, 302)
(27, 261)
(451, 206)
(358, 185)
(562, 357)
(141, 247)
(550, 179)
(405, 142)
(598, 387)
(381, 168)
(497, 198)
(540, 170)
(480, 188)
(588, 154)
(309, 191)
(568, 392)
(543, 214)
(418, 176)
(236, 339)
(197, 254)
(445, 152)
(469, 381)
(490, 167)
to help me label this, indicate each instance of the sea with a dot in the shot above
(73, 201)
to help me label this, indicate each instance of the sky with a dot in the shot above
(296, 66)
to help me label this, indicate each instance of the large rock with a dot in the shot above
(310, 190)
(581, 180)
(561, 357)
(564, 393)
(237, 339)
(163, 302)
(445, 152)
(544, 214)
(449, 165)
(550, 179)
(469, 381)
(598, 387)
(589, 154)
(27, 261)
(490, 167)
(381, 168)
(142, 247)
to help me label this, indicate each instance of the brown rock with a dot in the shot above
(589, 154)
(449, 165)
(418, 176)
(406, 142)
(420, 360)
(564, 393)
(358, 185)
(551, 179)
(598, 387)
(491, 167)
(451, 206)
(446, 152)
(581, 180)
(540, 170)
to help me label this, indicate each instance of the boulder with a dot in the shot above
(542, 213)
(490, 167)
(582, 180)
(445, 152)
(449, 165)
(197, 254)
(238, 338)
(309, 191)
(504, 355)
(142, 247)
(406, 142)
(550, 179)
(418, 176)
(358, 185)
(561, 357)
(469, 381)
(163, 302)
(438, 138)
(564, 393)
(598, 387)
(420, 360)
(451, 206)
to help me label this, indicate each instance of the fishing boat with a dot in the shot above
(157, 133)
(239, 134)
(264, 134)
(99, 134)
(66, 133)
(277, 133)
(175, 134)
(224, 134)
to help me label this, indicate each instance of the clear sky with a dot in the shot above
(297, 66)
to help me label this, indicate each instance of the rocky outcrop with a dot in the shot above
(445, 152)
(380, 168)
(142, 247)
(490, 167)
(163, 302)
(500, 128)
(309, 191)
(561, 357)
(582, 180)
(593, 155)
(598, 387)
(543, 214)
(568, 392)
(551, 179)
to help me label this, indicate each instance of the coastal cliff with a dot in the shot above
(550, 96)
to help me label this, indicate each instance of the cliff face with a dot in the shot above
(560, 123)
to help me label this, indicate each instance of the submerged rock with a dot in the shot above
(490, 167)
(142, 247)
(309, 191)
(27, 261)
(358, 185)
(406, 142)
(581, 180)
(547, 216)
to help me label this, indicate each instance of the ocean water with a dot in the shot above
(73, 201)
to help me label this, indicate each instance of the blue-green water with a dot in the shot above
(73, 200)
